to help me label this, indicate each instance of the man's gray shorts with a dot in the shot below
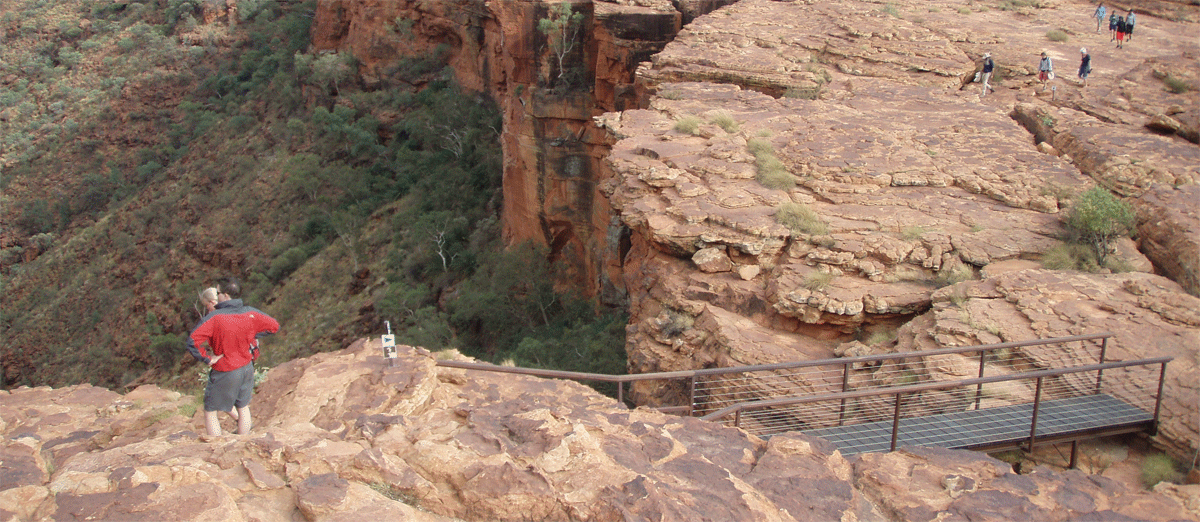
(228, 389)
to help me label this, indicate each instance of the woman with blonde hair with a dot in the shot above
(208, 299)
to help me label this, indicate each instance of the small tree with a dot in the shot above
(1097, 218)
(561, 28)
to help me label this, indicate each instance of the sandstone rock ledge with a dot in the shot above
(342, 436)
(913, 181)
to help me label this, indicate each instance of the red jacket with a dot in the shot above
(230, 330)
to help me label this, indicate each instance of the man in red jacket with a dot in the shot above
(231, 333)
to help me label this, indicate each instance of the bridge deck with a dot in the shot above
(990, 427)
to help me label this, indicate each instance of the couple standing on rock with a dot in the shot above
(230, 330)
(1046, 67)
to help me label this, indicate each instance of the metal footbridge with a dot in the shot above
(989, 398)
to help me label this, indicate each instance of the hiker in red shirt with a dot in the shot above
(230, 332)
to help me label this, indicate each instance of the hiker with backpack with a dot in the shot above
(985, 75)
(1045, 70)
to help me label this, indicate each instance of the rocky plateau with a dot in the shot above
(933, 206)
(346, 436)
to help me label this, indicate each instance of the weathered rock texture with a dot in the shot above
(911, 180)
(917, 181)
(344, 436)
(1149, 315)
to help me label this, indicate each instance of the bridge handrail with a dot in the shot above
(914, 388)
(693, 374)
(900, 355)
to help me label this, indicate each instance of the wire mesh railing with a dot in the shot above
(721, 387)
(974, 412)
(807, 395)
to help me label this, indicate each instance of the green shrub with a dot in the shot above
(1016, 5)
(725, 121)
(36, 217)
(817, 281)
(1067, 256)
(800, 219)
(772, 173)
(1159, 467)
(760, 147)
(955, 275)
(687, 124)
(1061, 193)
(1056, 35)
(912, 233)
(881, 337)
(1097, 218)
(292, 258)
(804, 93)
(1177, 85)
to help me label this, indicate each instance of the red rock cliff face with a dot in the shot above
(552, 148)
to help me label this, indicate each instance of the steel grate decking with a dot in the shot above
(988, 426)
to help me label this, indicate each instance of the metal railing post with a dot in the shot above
(1162, 377)
(691, 396)
(620, 393)
(1037, 402)
(737, 419)
(896, 422)
(1100, 373)
(845, 387)
(979, 387)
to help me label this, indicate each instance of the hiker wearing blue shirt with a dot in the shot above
(1129, 20)
(1085, 65)
(986, 75)
(1099, 16)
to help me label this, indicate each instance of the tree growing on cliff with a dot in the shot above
(561, 27)
(1097, 218)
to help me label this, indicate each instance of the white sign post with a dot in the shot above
(389, 345)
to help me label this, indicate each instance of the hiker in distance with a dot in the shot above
(986, 75)
(230, 332)
(1045, 70)
(1085, 65)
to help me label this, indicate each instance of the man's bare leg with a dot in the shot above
(244, 421)
(212, 423)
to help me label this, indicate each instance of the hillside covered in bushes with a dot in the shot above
(151, 147)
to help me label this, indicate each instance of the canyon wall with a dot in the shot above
(553, 152)
(896, 180)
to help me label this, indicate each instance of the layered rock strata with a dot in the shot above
(346, 436)
(892, 176)
(904, 179)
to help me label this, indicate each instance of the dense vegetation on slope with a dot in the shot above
(146, 152)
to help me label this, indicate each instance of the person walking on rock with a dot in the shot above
(1085, 65)
(1120, 32)
(1099, 16)
(1129, 21)
(1045, 70)
(1112, 26)
(986, 75)
(231, 333)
